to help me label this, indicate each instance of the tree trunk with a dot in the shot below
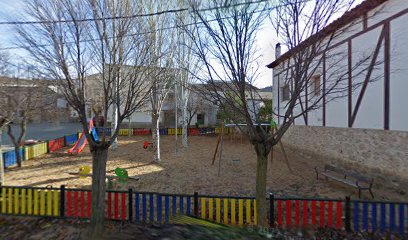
(17, 153)
(185, 126)
(261, 171)
(156, 136)
(99, 158)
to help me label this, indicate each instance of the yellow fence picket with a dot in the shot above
(36, 202)
(233, 213)
(218, 209)
(203, 210)
(255, 216)
(29, 201)
(56, 207)
(16, 201)
(23, 201)
(49, 203)
(210, 209)
(4, 198)
(10, 201)
(225, 210)
(241, 211)
(248, 211)
(42, 202)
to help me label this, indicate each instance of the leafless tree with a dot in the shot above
(163, 75)
(225, 41)
(5, 117)
(22, 99)
(93, 44)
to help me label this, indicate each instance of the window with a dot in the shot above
(285, 92)
(200, 119)
(315, 85)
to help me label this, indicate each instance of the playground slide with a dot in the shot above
(81, 143)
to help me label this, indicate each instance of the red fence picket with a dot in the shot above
(56, 144)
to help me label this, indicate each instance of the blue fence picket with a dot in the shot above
(166, 208)
(401, 214)
(188, 206)
(383, 218)
(9, 158)
(356, 216)
(365, 216)
(374, 216)
(71, 139)
(174, 205)
(137, 208)
(151, 202)
(392, 217)
(181, 202)
(144, 207)
(159, 208)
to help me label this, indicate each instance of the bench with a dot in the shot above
(346, 177)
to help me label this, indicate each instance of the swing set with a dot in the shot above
(220, 143)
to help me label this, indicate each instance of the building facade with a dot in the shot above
(366, 128)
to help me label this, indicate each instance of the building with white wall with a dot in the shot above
(367, 127)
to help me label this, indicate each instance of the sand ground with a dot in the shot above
(191, 170)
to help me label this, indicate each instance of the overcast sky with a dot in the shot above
(266, 39)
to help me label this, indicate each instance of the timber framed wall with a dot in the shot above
(373, 105)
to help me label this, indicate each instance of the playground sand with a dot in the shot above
(190, 170)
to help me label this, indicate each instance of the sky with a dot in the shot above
(266, 39)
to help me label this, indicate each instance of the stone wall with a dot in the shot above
(377, 153)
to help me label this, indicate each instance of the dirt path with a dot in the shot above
(190, 171)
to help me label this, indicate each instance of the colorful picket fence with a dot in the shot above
(379, 216)
(10, 159)
(71, 139)
(125, 132)
(56, 144)
(149, 207)
(35, 150)
(141, 131)
(163, 131)
(229, 210)
(30, 201)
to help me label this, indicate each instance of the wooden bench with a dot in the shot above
(349, 178)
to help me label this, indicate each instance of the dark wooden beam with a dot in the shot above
(324, 90)
(387, 76)
(368, 76)
(350, 76)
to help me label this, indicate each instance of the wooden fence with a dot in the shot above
(163, 131)
(151, 207)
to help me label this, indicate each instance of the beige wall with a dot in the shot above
(377, 153)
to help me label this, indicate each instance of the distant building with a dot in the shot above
(51, 105)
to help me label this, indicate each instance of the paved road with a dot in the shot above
(45, 131)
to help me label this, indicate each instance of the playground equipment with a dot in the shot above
(121, 175)
(81, 143)
(220, 141)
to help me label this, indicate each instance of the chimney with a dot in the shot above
(277, 51)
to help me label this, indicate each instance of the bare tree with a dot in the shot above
(225, 41)
(75, 39)
(24, 98)
(163, 75)
(5, 116)
(187, 63)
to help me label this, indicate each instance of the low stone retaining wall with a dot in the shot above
(377, 153)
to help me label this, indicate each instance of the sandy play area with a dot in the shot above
(190, 170)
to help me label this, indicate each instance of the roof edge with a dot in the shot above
(346, 18)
